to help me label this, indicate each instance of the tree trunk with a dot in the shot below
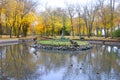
(89, 31)
(11, 32)
(112, 4)
(97, 32)
(72, 30)
(105, 32)
(79, 26)
(53, 31)
(0, 30)
(18, 32)
(118, 26)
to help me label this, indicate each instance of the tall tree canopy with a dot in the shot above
(20, 18)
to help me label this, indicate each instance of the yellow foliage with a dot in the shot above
(29, 18)
(38, 28)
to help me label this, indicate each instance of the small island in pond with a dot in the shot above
(62, 45)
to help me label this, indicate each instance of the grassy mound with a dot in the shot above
(61, 42)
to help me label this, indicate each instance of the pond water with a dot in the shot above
(20, 62)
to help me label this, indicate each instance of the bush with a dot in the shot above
(64, 38)
(116, 33)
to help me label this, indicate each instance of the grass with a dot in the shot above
(60, 42)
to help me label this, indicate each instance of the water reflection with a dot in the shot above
(16, 64)
(20, 62)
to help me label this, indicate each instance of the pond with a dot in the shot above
(20, 62)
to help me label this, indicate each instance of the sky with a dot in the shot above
(58, 3)
(61, 3)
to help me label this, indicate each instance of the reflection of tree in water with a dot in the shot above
(97, 64)
(51, 61)
(73, 68)
(94, 64)
(17, 63)
(80, 67)
(110, 65)
(2, 56)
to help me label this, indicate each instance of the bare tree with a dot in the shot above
(89, 17)
(71, 12)
(103, 12)
(79, 12)
(112, 7)
(118, 14)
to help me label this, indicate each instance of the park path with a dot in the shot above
(106, 42)
(15, 41)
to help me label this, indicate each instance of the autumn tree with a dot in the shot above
(16, 14)
(25, 7)
(48, 21)
(51, 14)
(2, 6)
(60, 21)
(64, 16)
(53, 18)
(45, 23)
(10, 16)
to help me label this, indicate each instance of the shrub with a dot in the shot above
(64, 38)
(116, 33)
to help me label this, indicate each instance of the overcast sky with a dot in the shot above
(59, 3)
(62, 3)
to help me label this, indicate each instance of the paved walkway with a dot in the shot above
(17, 40)
(105, 42)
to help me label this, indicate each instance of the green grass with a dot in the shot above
(60, 42)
